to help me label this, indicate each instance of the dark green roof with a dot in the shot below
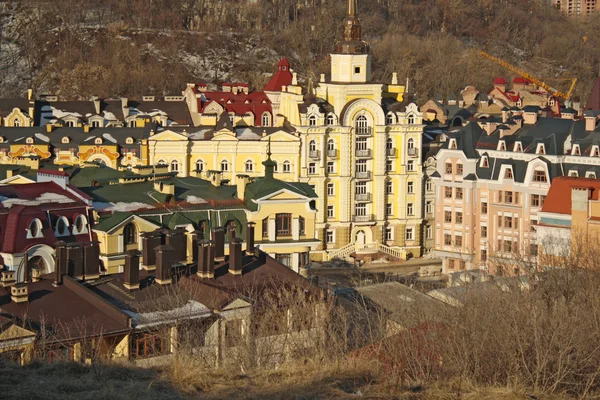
(107, 223)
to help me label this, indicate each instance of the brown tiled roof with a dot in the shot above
(69, 311)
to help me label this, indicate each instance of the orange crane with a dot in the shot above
(543, 85)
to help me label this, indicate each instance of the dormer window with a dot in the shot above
(595, 152)
(129, 140)
(95, 124)
(330, 119)
(519, 103)
(552, 102)
(518, 147)
(508, 174)
(590, 174)
(573, 173)
(389, 120)
(70, 124)
(2, 139)
(98, 141)
(35, 229)
(65, 140)
(62, 227)
(80, 225)
(312, 120)
(484, 162)
(452, 144)
(132, 124)
(501, 146)
(576, 150)
(411, 119)
(541, 149)
(29, 140)
(266, 119)
(540, 176)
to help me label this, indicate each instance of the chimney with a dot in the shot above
(218, 236)
(176, 239)
(7, 278)
(250, 238)
(131, 279)
(590, 123)
(206, 264)
(165, 258)
(96, 101)
(150, 240)
(197, 237)
(395, 78)
(86, 128)
(580, 199)
(19, 293)
(231, 232)
(60, 264)
(36, 274)
(215, 177)
(74, 261)
(242, 181)
(49, 127)
(29, 94)
(504, 114)
(235, 257)
(91, 261)
(530, 118)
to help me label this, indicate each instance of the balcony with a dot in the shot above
(363, 218)
(391, 152)
(412, 152)
(363, 174)
(364, 131)
(363, 153)
(363, 197)
(314, 154)
(332, 153)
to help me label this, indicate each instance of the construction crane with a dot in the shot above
(520, 72)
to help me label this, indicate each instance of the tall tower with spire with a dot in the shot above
(351, 62)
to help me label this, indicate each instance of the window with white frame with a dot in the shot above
(331, 167)
(80, 225)
(410, 187)
(98, 141)
(249, 166)
(389, 120)
(410, 145)
(428, 232)
(361, 188)
(410, 209)
(312, 146)
(62, 227)
(330, 119)
(287, 167)
(429, 185)
(65, 139)
(199, 165)
(330, 145)
(266, 119)
(389, 234)
(312, 168)
(330, 189)
(129, 140)
(410, 234)
(362, 125)
(312, 120)
(16, 123)
(389, 187)
(411, 119)
(429, 207)
(174, 166)
(96, 124)
(360, 210)
(389, 209)
(330, 236)
(225, 166)
(35, 229)
(132, 123)
(330, 211)
(389, 165)
(410, 166)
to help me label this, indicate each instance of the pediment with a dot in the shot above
(224, 134)
(168, 136)
(237, 303)
(281, 136)
(283, 195)
(15, 332)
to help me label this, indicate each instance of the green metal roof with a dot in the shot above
(265, 186)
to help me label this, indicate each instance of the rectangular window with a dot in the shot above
(410, 166)
(389, 187)
(410, 187)
(312, 168)
(539, 176)
(330, 237)
(429, 207)
(484, 231)
(508, 222)
(389, 234)
(459, 169)
(499, 196)
(283, 224)
(533, 249)
(448, 168)
(330, 189)
(484, 208)
(451, 264)
(265, 228)
(429, 185)
(507, 246)
(448, 192)
(535, 200)
(458, 241)
(542, 200)
(447, 239)
(410, 209)
(534, 223)
(410, 234)
(150, 344)
(330, 212)
(499, 221)
(428, 232)
(447, 216)
(360, 210)
(285, 259)
(508, 197)
(331, 167)
(361, 188)
(483, 255)
(516, 222)
(462, 264)
(389, 209)
(389, 165)
(459, 218)
(459, 193)
(301, 226)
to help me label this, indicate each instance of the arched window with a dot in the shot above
(287, 167)
(410, 145)
(266, 119)
(330, 119)
(200, 166)
(129, 140)
(174, 166)
(389, 120)
(362, 125)
(16, 123)
(331, 145)
(389, 144)
(231, 118)
(312, 145)
(130, 234)
(225, 166)
(98, 141)
(29, 140)
(65, 140)
(35, 229)
(62, 227)
(411, 119)
(312, 120)
(249, 166)
(161, 162)
(80, 224)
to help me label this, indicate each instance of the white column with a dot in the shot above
(296, 262)
(272, 229)
(295, 229)
(120, 245)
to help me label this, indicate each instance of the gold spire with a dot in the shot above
(352, 42)
(352, 8)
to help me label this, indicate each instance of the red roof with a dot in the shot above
(255, 102)
(283, 77)
(520, 79)
(499, 81)
(558, 200)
